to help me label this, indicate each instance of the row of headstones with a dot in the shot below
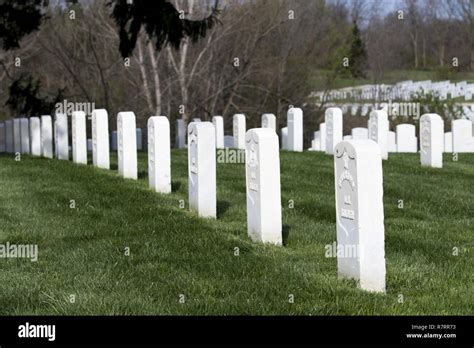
(20, 136)
(264, 218)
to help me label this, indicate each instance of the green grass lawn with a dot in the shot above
(174, 253)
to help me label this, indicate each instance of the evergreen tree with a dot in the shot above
(357, 54)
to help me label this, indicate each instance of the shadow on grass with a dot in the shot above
(222, 207)
(285, 233)
(175, 186)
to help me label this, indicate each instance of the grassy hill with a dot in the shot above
(177, 257)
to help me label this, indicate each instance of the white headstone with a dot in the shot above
(269, 121)
(316, 142)
(262, 170)
(9, 146)
(333, 118)
(392, 143)
(127, 145)
(79, 137)
(322, 131)
(347, 137)
(100, 139)
(406, 139)
(239, 131)
(89, 145)
(218, 122)
(196, 119)
(16, 135)
(448, 142)
(360, 133)
(295, 129)
(180, 134)
(462, 136)
(2, 137)
(378, 130)
(25, 135)
(35, 133)
(360, 214)
(139, 139)
(284, 138)
(61, 137)
(202, 168)
(431, 140)
(114, 142)
(46, 136)
(159, 154)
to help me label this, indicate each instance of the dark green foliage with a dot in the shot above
(357, 54)
(161, 22)
(24, 97)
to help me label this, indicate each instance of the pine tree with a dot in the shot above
(357, 54)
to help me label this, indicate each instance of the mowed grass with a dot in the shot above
(174, 255)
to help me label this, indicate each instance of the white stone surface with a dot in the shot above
(127, 145)
(114, 141)
(25, 135)
(16, 135)
(407, 142)
(269, 121)
(218, 122)
(347, 137)
(228, 141)
(360, 214)
(316, 142)
(46, 136)
(3, 140)
(79, 137)
(378, 130)
(322, 130)
(9, 146)
(284, 138)
(431, 140)
(100, 139)
(139, 139)
(159, 154)
(295, 129)
(262, 171)
(239, 128)
(360, 133)
(448, 142)
(333, 120)
(202, 168)
(180, 134)
(61, 137)
(392, 142)
(35, 136)
(462, 136)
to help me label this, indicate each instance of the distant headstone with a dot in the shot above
(406, 139)
(180, 134)
(89, 145)
(333, 120)
(392, 143)
(35, 132)
(239, 131)
(114, 141)
(269, 121)
(347, 137)
(218, 122)
(378, 130)
(462, 136)
(264, 223)
(46, 136)
(9, 146)
(295, 129)
(16, 135)
(139, 139)
(127, 145)
(322, 131)
(25, 135)
(2, 137)
(360, 133)
(431, 140)
(448, 142)
(79, 137)
(202, 168)
(360, 214)
(196, 119)
(61, 136)
(316, 142)
(100, 139)
(284, 138)
(159, 154)
(228, 141)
